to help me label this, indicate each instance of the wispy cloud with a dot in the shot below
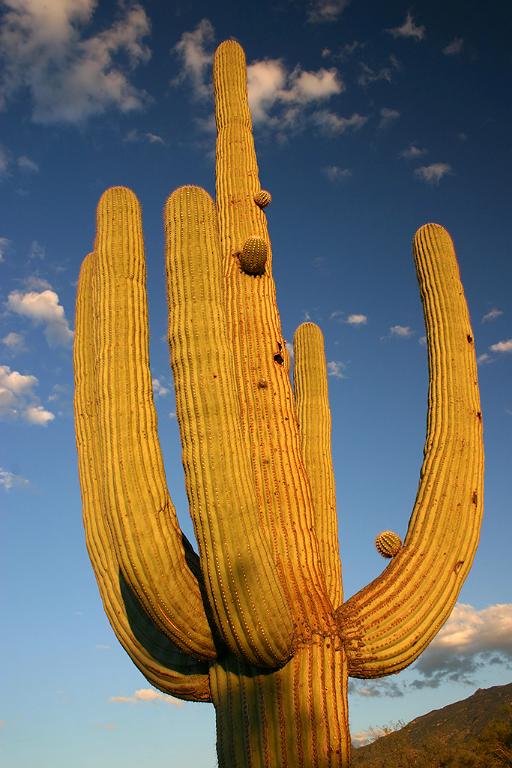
(484, 358)
(455, 47)
(143, 136)
(371, 689)
(159, 388)
(388, 116)
(4, 159)
(18, 399)
(8, 480)
(432, 174)
(332, 124)
(43, 308)
(401, 331)
(14, 342)
(272, 86)
(195, 52)
(356, 320)
(70, 77)
(336, 369)
(36, 251)
(502, 346)
(4, 247)
(492, 314)
(367, 75)
(27, 165)
(144, 695)
(469, 639)
(335, 173)
(326, 11)
(413, 152)
(409, 29)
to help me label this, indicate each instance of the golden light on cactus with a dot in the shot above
(253, 256)
(256, 623)
(388, 543)
(262, 198)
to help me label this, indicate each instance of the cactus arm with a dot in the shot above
(390, 622)
(266, 398)
(246, 598)
(314, 417)
(149, 544)
(162, 663)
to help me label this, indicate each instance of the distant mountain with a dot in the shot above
(473, 733)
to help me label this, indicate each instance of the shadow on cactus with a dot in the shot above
(256, 624)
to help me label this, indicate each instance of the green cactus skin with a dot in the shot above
(255, 624)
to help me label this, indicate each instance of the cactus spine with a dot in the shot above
(256, 623)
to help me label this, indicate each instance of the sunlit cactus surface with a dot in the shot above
(255, 623)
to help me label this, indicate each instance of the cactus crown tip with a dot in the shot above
(388, 543)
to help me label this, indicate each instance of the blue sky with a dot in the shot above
(370, 119)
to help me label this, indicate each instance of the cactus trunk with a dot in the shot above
(295, 717)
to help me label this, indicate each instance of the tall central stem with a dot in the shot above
(295, 717)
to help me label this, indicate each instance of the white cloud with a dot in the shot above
(135, 135)
(371, 689)
(332, 124)
(17, 398)
(483, 359)
(356, 320)
(4, 158)
(401, 331)
(145, 695)
(9, 480)
(195, 50)
(408, 29)
(326, 11)
(70, 77)
(412, 152)
(43, 308)
(270, 85)
(4, 247)
(35, 283)
(37, 251)
(502, 346)
(335, 173)
(492, 315)
(14, 342)
(432, 174)
(27, 165)
(455, 47)
(159, 389)
(336, 369)
(368, 75)
(470, 638)
(388, 116)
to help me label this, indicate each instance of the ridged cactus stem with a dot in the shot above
(390, 622)
(296, 717)
(256, 622)
(268, 417)
(314, 416)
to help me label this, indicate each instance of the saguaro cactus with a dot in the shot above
(256, 622)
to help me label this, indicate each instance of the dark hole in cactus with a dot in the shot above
(470, 339)
(474, 497)
(279, 359)
(479, 415)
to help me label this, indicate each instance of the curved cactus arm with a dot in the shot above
(149, 544)
(161, 662)
(314, 416)
(248, 604)
(388, 624)
(259, 351)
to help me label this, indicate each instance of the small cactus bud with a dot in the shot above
(262, 198)
(253, 256)
(388, 543)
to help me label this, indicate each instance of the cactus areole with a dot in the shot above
(256, 623)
